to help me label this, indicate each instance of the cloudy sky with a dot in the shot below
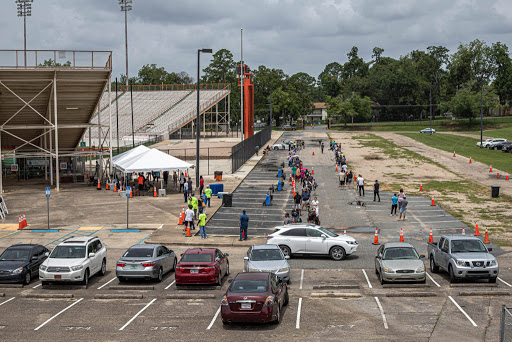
(294, 35)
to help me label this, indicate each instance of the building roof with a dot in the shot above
(319, 105)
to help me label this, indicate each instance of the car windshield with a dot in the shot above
(468, 246)
(266, 254)
(138, 253)
(14, 255)
(327, 232)
(399, 253)
(249, 286)
(68, 252)
(197, 258)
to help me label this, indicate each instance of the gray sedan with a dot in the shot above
(145, 262)
(268, 258)
(399, 261)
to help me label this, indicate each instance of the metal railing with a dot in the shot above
(506, 324)
(168, 87)
(66, 59)
(244, 150)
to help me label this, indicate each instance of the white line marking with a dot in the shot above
(214, 319)
(504, 282)
(7, 301)
(368, 280)
(297, 324)
(137, 314)
(171, 284)
(108, 282)
(301, 279)
(435, 282)
(68, 307)
(35, 287)
(464, 312)
(430, 222)
(160, 226)
(382, 313)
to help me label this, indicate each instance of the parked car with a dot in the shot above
(280, 146)
(268, 258)
(288, 128)
(254, 297)
(500, 145)
(484, 143)
(507, 148)
(202, 266)
(494, 142)
(428, 130)
(75, 259)
(463, 257)
(399, 261)
(20, 263)
(145, 262)
(306, 238)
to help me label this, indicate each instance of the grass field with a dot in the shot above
(505, 133)
(465, 146)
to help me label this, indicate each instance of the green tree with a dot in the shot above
(51, 63)
(221, 69)
(285, 104)
(303, 85)
(330, 79)
(502, 72)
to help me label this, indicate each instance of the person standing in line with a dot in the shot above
(403, 208)
(166, 177)
(202, 225)
(297, 200)
(140, 182)
(175, 179)
(194, 202)
(257, 150)
(182, 181)
(350, 176)
(341, 177)
(244, 224)
(394, 204)
(189, 218)
(208, 193)
(376, 187)
(287, 219)
(401, 196)
(314, 204)
(189, 185)
(185, 191)
(201, 184)
(305, 199)
(360, 183)
(322, 147)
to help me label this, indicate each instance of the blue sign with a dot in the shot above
(47, 191)
(128, 191)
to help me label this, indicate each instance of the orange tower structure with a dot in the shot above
(244, 72)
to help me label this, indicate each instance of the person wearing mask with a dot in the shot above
(297, 199)
(244, 224)
(287, 219)
(394, 204)
(140, 182)
(189, 185)
(401, 195)
(376, 187)
(403, 209)
(185, 191)
(202, 225)
(360, 184)
(189, 218)
(295, 215)
(194, 202)
(208, 193)
(305, 199)
(314, 204)
(182, 181)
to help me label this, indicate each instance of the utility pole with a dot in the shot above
(126, 5)
(242, 83)
(25, 10)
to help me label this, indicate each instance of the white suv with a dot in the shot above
(301, 238)
(75, 259)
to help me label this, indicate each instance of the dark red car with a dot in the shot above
(202, 266)
(254, 297)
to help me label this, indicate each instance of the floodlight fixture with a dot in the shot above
(126, 5)
(24, 10)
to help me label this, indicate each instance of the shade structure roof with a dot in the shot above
(118, 160)
(152, 160)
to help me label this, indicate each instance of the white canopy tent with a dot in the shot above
(152, 160)
(118, 160)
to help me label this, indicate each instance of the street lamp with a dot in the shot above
(198, 131)
(25, 10)
(126, 5)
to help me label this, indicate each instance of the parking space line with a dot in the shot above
(299, 307)
(7, 301)
(382, 313)
(435, 282)
(461, 310)
(108, 282)
(141, 241)
(171, 284)
(16, 232)
(429, 222)
(137, 314)
(60, 312)
(214, 319)
(35, 287)
(367, 279)
(504, 282)
(301, 279)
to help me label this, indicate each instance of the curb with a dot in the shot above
(131, 288)
(412, 294)
(190, 296)
(11, 286)
(484, 293)
(474, 285)
(48, 295)
(119, 296)
(335, 295)
(327, 287)
(405, 286)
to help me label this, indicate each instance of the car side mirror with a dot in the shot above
(422, 256)
(379, 256)
(47, 254)
(217, 259)
(489, 249)
(246, 258)
(324, 236)
(34, 258)
(287, 257)
(91, 255)
(226, 254)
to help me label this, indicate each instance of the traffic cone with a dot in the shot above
(498, 174)
(182, 214)
(355, 178)
(454, 153)
(290, 177)
(115, 187)
(344, 231)
(154, 192)
(470, 159)
(433, 203)
(477, 231)
(99, 185)
(401, 235)
(490, 168)
(336, 167)
(20, 226)
(463, 231)
(188, 232)
(486, 238)
(24, 220)
(131, 193)
(313, 152)
(430, 237)
(421, 186)
(376, 239)
(506, 177)
(312, 170)
(107, 187)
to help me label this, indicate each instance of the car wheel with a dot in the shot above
(433, 267)
(121, 279)
(160, 274)
(174, 265)
(495, 148)
(44, 283)
(452, 275)
(227, 269)
(337, 253)
(381, 278)
(86, 278)
(276, 148)
(28, 278)
(286, 298)
(103, 270)
(492, 280)
(278, 319)
(286, 251)
(225, 322)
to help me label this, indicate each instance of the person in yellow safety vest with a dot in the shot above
(208, 193)
(193, 201)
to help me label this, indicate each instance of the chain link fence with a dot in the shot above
(506, 324)
(244, 150)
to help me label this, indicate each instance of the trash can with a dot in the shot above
(267, 199)
(227, 200)
(279, 172)
(495, 191)
(217, 176)
(279, 186)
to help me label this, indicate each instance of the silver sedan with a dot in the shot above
(399, 261)
(268, 258)
(145, 262)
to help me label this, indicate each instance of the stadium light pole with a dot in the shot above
(25, 10)
(430, 97)
(126, 5)
(198, 126)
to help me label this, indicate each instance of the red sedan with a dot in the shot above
(202, 266)
(254, 297)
